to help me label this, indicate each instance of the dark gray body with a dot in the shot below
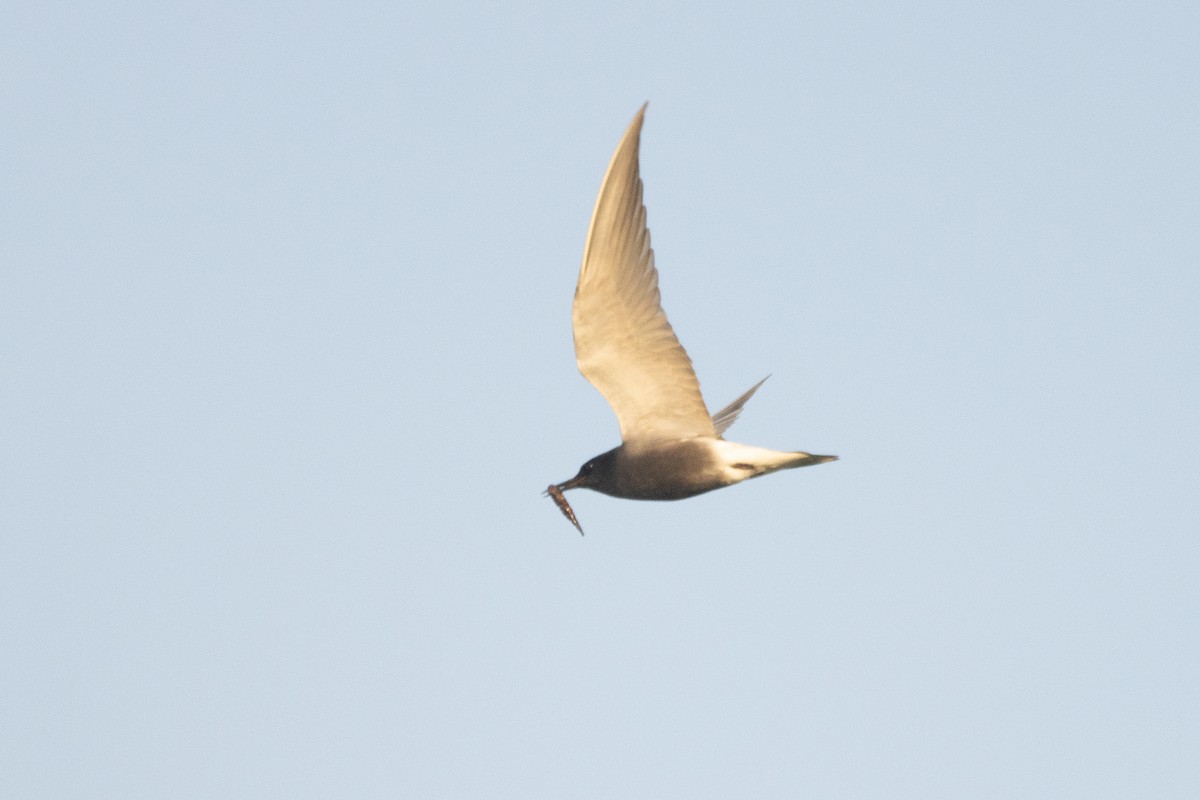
(669, 470)
(672, 469)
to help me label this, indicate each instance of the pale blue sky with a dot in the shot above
(286, 362)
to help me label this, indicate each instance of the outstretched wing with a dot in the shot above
(729, 414)
(623, 343)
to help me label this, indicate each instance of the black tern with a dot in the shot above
(671, 447)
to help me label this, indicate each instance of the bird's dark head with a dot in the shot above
(595, 474)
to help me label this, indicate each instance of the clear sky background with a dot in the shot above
(287, 362)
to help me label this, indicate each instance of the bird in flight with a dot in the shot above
(671, 447)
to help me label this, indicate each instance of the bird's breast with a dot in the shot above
(670, 470)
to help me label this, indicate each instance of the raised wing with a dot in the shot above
(729, 414)
(623, 343)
